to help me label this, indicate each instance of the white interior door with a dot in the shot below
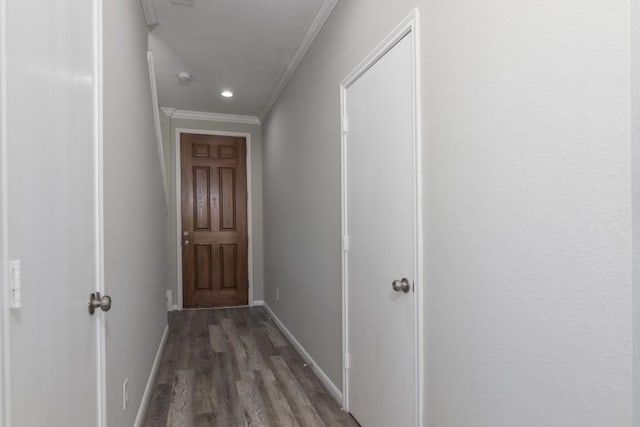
(380, 223)
(53, 211)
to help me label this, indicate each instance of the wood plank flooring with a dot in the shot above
(233, 367)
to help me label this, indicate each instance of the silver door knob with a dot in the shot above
(101, 302)
(401, 285)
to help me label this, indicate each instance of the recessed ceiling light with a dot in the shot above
(226, 93)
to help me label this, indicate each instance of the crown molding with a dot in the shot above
(150, 12)
(210, 117)
(168, 111)
(319, 20)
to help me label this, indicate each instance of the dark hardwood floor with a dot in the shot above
(233, 367)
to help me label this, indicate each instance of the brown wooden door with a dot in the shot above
(214, 220)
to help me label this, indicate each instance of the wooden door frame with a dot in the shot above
(410, 26)
(178, 194)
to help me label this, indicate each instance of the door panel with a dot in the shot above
(214, 220)
(201, 189)
(203, 267)
(228, 199)
(380, 178)
(52, 170)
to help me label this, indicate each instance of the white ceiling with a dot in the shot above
(247, 46)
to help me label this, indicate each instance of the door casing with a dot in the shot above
(410, 26)
(178, 178)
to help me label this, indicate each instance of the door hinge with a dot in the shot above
(345, 124)
(347, 363)
(345, 243)
(15, 281)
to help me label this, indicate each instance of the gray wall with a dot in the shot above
(528, 307)
(134, 221)
(169, 127)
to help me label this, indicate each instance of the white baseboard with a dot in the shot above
(258, 303)
(333, 390)
(148, 390)
(169, 300)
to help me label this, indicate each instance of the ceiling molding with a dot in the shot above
(150, 12)
(168, 111)
(210, 117)
(319, 20)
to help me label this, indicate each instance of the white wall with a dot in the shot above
(528, 208)
(169, 126)
(134, 222)
(529, 243)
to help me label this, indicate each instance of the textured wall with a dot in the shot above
(529, 245)
(528, 207)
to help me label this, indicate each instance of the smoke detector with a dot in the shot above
(184, 2)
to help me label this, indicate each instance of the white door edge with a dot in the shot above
(5, 377)
(409, 26)
(98, 130)
(178, 193)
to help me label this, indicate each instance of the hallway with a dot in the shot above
(409, 213)
(232, 367)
